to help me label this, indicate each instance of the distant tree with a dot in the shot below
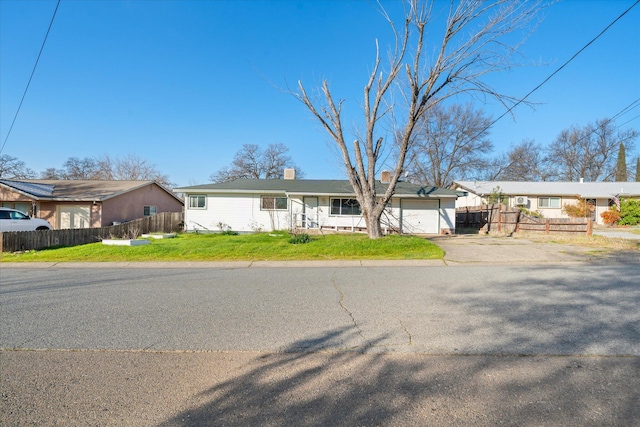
(52, 173)
(621, 165)
(525, 161)
(13, 168)
(129, 168)
(449, 144)
(638, 169)
(589, 152)
(252, 162)
(76, 168)
(427, 65)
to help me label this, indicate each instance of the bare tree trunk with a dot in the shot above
(471, 47)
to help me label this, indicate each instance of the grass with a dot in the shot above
(249, 247)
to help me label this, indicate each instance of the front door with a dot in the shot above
(310, 212)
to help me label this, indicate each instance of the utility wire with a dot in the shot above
(626, 109)
(558, 70)
(607, 121)
(31, 77)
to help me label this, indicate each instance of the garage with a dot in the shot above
(73, 217)
(420, 216)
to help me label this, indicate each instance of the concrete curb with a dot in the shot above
(230, 264)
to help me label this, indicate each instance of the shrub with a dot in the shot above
(629, 212)
(229, 233)
(526, 211)
(581, 209)
(299, 239)
(610, 216)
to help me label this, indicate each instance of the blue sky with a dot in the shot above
(184, 84)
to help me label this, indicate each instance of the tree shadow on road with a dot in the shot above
(315, 387)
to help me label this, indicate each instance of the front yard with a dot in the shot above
(252, 247)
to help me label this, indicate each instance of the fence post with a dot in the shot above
(547, 226)
(499, 217)
(590, 227)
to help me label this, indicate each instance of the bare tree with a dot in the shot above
(52, 173)
(252, 162)
(13, 168)
(449, 143)
(525, 161)
(76, 168)
(473, 44)
(131, 168)
(589, 152)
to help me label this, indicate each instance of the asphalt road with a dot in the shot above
(460, 342)
(569, 309)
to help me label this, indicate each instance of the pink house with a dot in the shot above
(87, 204)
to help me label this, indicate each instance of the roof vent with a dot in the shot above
(385, 177)
(290, 173)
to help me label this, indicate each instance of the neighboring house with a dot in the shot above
(266, 205)
(547, 198)
(86, 204)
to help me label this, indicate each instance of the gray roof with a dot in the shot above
(527, 188)
(316, 187)
(74, 190)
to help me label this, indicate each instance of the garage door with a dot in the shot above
(420, 216)
(74, 217)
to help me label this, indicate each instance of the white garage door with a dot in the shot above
(74, 217)
(420, 216)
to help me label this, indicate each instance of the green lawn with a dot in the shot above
(253, 247)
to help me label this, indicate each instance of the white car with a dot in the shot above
(13, 220)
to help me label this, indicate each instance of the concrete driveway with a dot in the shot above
(476, 249)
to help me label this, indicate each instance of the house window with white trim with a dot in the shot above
(272, 203)
(345, 207)
(197, 201)
(150, 210)
(549, 202)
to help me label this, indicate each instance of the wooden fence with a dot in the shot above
(166, 222)
(502, 219)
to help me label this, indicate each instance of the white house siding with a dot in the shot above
(469, 200)
(235, 212)
(242, 213)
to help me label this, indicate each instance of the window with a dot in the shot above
(345, 207)
(271, 203)
(549, 202)
(197, 201)
(150, 210)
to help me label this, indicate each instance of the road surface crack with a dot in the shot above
(349, 313)
(406, 331)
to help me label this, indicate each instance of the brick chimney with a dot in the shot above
(385, 177)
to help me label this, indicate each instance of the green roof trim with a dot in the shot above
(313, 187)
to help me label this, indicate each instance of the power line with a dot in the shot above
(560, 68)
(628, 121)
(626, 109)
(31, 77)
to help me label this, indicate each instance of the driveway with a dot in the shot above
(476, 249)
